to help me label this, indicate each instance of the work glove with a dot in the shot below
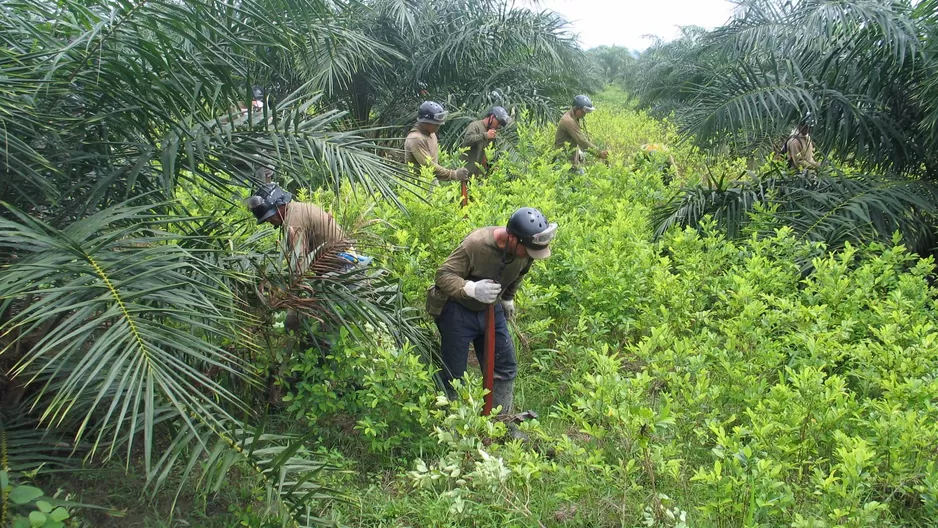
(462, 174)
(490, 133)
(509, 307)
(604, 154)
(484, 291)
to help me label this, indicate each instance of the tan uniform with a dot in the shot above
(478, 257)
(309, 230)
(571, 138)
(423, 149)
(476, 139)
(801, 152)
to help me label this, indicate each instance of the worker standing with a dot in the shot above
(421, 146)
(478, 136)
(487, 268)
(570, 136)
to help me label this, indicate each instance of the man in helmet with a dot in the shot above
(421, 146)
(486, 269)
(309, 232)
(479, 135)
(800, 147)
(308, 229)
(570, 137)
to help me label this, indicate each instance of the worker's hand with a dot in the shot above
(490, 133)
(604, 154)
(509, 307)
(462, 174)
(484, 291)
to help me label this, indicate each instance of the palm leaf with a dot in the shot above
(119, 321)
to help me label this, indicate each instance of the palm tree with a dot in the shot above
(469, 55)
(864, 68)
(122, 316)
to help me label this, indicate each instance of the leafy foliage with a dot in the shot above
(832, 207)
(862, 68)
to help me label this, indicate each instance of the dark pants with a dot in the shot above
(460, 326)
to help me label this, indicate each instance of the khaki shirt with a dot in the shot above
(570, 137)
(476, 138)
(309, 231)
(423, 149)
(478, 257)
(801, 152)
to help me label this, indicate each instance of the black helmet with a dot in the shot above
(582, 101)
(807, 119)
(533, 231)
(266, 200)
(500, 114)
(258, 93)
(431, 112)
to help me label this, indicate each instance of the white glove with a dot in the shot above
(484, 291)
(509, 307)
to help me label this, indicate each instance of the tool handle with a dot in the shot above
(465, 194)
(488, 376)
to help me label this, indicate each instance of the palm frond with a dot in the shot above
(831, 207)
(118, 320)
(288, 472)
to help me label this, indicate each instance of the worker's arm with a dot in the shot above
(509, 293)
(578, 136)
(451, 277)
(421, 152)
(295, 250)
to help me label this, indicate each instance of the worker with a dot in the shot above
(312, 239)
(478, 136)
(800, 147)
(487, 268)
(571, 138)
(421, 146)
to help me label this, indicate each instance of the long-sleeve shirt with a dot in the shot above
(478, 257)
(422, 149)
(309, 231)
(801, 152)
(476, 139)
(570, 137)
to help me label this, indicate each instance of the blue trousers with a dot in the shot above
(460, 326)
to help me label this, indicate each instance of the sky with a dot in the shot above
(626, 22)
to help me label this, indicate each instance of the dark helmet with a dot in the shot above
(582, 101)
(807, 120)
(431, 112)
(258, 93)
(533, 231)
(266, 200)
(500, 114)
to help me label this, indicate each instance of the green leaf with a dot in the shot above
(44, 506)
(25, 494)
(59, 514)
(37, 519)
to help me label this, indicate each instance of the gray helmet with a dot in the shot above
(431, 112)
(533, 231)
(582, 101)
(500, 114)
(266, 200)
